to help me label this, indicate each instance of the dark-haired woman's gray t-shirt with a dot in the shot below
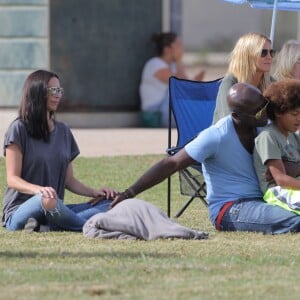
(44, 164)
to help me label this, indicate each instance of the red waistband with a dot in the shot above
(223, 210)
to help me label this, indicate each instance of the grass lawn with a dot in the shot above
(63, 265)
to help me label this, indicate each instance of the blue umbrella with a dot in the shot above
(292, 5)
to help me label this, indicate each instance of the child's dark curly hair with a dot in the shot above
(283, 95)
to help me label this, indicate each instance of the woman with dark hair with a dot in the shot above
(39, 152)
(156, 74)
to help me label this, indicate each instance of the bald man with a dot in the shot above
(225, 152)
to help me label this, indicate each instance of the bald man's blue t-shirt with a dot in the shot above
(227, 166)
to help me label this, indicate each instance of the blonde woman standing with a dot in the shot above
(288, 61)
(250, 61)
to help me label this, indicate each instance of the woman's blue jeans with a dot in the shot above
(259, 216)
(64, 217)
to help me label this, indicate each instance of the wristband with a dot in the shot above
(129, 193)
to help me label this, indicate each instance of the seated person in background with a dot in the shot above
(38, 154)
(288, 61)
(277, 147)
(225, 150)
(157, 71)
(250, 62)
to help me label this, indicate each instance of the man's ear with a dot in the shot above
(234, 115)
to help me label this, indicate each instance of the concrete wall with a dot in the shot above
(101, 51)
(215, 25)
(23, 45)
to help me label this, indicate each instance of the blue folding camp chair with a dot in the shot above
(192, 104)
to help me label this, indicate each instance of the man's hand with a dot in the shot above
(128, 193)
(118, 199)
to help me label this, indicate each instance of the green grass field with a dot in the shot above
(63, 265)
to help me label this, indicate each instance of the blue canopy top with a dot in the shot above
(293, 5)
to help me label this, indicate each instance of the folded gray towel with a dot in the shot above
(137, 219)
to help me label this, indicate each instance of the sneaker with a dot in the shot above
(32, 225)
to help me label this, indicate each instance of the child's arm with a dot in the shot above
(292, 168)
(284, 172)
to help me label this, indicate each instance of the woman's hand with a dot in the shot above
(107, 192)
(48, 192)
(102, 194)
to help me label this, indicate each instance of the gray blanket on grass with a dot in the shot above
(137, 219)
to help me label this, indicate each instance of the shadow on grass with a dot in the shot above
(35, 254)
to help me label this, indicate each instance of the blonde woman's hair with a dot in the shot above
(243, 58)
(286, 60)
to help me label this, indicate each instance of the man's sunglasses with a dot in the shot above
(55, 91)
(264, 52)
(259, 114)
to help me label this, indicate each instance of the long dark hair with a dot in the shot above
(33, 107)
(162, 40)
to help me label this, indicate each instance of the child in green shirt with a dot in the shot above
(277, 147)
